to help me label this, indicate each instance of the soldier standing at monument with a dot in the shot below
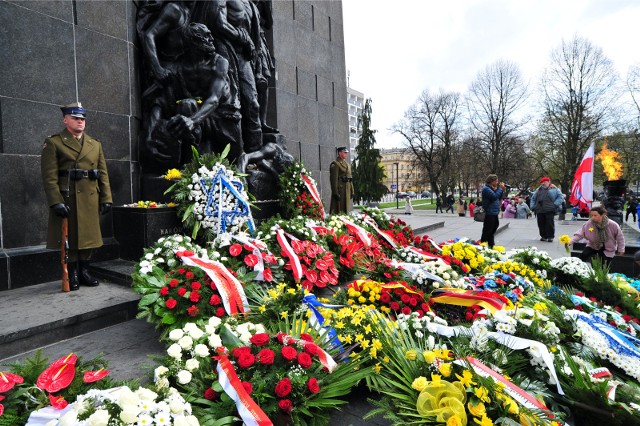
(76, 183)
(341, 183)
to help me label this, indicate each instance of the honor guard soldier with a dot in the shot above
(76, 183)
(341, 183)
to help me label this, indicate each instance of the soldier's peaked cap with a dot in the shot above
(74, 110)
(342, 149)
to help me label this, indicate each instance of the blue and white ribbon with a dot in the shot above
(317, 320)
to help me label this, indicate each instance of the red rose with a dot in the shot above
(289, 353)
(215, 300)
(247, 387)
(260, 339)
(280, 337)
(220, 312)
(405, 298)
(210, 394)
(266, 356)
(213, 285)
(238, 352)
(312, 349)
(425, 307)
(283, 388)
(174, 283)
(285, 405)
(171, 303)
(304, 360)
(194, 296)
(196, 286)
(313, 386)
(413, 302)
(164, 291)
(267, 274)
(182, 291)
(189, 275)
(251, 260)
(395, 306)
(306, 337)
(406, 310)
(246, 360)
(193, 311)
(385, 298)
(181, 271)
(235, 250)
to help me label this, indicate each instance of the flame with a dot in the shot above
(609, 159)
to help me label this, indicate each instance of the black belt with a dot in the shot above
(77, 174)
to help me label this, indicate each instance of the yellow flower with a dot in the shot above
(429, 356)
(499, 249)
(466, 378)
(411, 354)
(420, 383)
(591, 229)
(485, 421)
(339, 325)
(510, 405)
(262, 308)
(477, 410)
(564, 239)
(454, 421)
(445, 369)
(173, 174)
(377, 368)
(443, 354)
(482, 394)
(436, 379)
(284, 314)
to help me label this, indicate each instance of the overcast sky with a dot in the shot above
(396, 49)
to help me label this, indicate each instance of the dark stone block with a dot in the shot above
(310, 157)
(325, 94)
(135, 229)
(303, 14)
(120, 180)
(4, 271)
(60, 9)
(21, 136)
(36, 59)
(112, 131)
(107, 17)
(307, 120)
(287, 115)
(134, 78)
(103, 72)
(24, 206)
(154, 187)
(34, 265)
(306, 85)
(326, 129)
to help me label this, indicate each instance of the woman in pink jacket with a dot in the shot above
(603, 236)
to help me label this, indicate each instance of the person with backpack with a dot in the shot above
(491, 195)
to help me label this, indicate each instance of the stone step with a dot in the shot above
(117, 271)
(38, 315)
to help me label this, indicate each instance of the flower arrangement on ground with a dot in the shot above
(299, 194)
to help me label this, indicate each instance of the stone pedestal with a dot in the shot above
(136, 229)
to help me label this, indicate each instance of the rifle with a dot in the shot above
(64, 254)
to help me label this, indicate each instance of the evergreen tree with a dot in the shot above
(368, 174)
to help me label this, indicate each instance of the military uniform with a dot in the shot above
(341, 185)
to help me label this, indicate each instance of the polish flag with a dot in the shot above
(582, 187)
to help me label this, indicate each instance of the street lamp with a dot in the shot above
(397, 187)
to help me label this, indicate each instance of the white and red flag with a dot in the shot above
(582, 186)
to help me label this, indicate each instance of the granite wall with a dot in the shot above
(56, 51)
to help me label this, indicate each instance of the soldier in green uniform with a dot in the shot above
(341, 183)
(76, 183)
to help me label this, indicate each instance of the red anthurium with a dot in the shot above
(69, 359)
(1, 408)
(251, 260)
(235, 250)
(57, 402)
(94, 376)
(8, 380)
(55, 378)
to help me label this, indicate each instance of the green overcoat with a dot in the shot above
(60, 153)
(340, 174)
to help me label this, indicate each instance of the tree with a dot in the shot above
(579, 91)
(368, 174)
(430, 128)
(493, 100)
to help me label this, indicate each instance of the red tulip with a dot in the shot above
(8, 381)
(94, 376)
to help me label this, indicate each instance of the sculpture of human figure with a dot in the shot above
(264, 66)
(271, 158)
(235, 25)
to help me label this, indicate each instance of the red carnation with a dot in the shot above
(406, 310)
(246, 360)
(181, 271)
(405, 298)
(289, 353)
(196, 286)
(215, 300)
(220, 312)
(385, 298)
(235, 250)
(174, 283)
(413, 301)
(164, 291)
(267, 274)
(283, 388)
(171, 303)
(285, 405)
(395, 306)
(247, 387)
(251, 260)
(182, 291)
(266, 357)
(194, 296)
(260, 339)
(304, 360)
(193, 311)
(210, 394)
(189, 275)
(313, 386)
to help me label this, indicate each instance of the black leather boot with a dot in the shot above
(72, 269)
(86, 279)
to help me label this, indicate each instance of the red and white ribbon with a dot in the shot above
(296, 267)
(325, 359)
(230, 289)
(362, 234)
(256, 247)
(426, 254)
(250, 412)
(311, 187)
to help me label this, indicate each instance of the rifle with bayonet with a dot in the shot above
(64, 254)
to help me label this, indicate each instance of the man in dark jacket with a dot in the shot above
(74, 175)
(546, 201)
(491, 196)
